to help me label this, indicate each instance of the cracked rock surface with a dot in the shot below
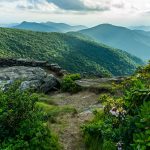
(34, 78)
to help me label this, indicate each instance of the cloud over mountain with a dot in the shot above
(80, 5)
(112, 11)
(68, 5)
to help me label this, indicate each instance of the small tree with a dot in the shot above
(68, 83)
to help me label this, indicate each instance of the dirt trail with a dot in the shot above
(68, 125)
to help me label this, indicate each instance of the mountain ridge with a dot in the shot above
(132, 41)
(48, 27)
(144, 28)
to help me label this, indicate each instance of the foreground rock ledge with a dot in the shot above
(34, 78)
(10, 62)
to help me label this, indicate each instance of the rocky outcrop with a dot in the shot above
(98, 85)
(9, 62)
(34, 78)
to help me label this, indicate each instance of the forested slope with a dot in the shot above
(72, 53)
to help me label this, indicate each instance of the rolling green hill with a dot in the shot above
(134, 42)
(73, 53)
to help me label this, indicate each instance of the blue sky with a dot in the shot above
(86, 12)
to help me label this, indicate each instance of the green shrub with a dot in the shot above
(93, 136)
(68, 84)
(22, 123)
(98, 133)
(109, 145)
(125, 118)
(74, 76)
(141, 137)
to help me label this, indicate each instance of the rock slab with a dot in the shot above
(34, 78)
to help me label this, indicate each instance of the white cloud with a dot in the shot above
(77, 5)
(41, 6)
(86, 11)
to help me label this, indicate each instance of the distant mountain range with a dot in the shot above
(144, 28)
(48, 27)
(71, 51)
(135, 42)
(8, 25)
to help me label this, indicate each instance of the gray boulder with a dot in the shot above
(31, 78)
(49, 82)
